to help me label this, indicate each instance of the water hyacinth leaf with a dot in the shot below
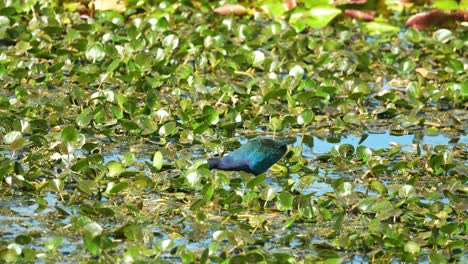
(12, 136)
(84, 119)
(268, 193)
(283, 258)
(305, 207)
(193, 178)
(443, 35)
(414, 90)
(258, 58)
(23, 239)
(363, 153)
(407, 191)
(116, 188)
(87, 186)
(450, 228)
(133, 232)
(168, 129)
(284, 201)
(275, 9)
(165, 245)
(69, 134)
(289, 223)
(366, 204)
(339, 222)
(184, 71)
(56, 185)
(92, 229)
(4, 21)
(315, 17)
(207, 191)
(305, 117)
(456, 66)
(53, 243)
(345, 150)
(128, 159)
(158, 160)
(276, 124)
(256, 181)
(297, 71)
(171, 41)
(446, 5)
(275, 93)
(436, 258)
(377, 28)
(379, 187)
(407, 66)
(114, 168)
(212, 117)
(91, 245)
(95, 52)
(412, 247)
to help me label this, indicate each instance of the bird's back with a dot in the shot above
(260, 154)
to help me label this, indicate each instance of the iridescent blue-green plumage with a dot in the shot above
(255, 156)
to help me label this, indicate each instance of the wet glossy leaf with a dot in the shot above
(446, 4)
(114, 168)
(116, 188)
(437, 258)
(95, 52)
(258, 58)
(12, 137)
(23, 240)
(268, 194)
(412, 247)
(212, 117)
(285, 201)
(92, 229)
(407, 191)
(305, 117)
(53, 243)
(315, 17)
(443, 35)
(363, 153)
(87, 186)
(158, 160)
(379, 187)
(376, 28)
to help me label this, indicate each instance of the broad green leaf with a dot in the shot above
(284, 201)
(92, 229)
(158, 160)
(115, 168)
(12, 137)
(443, 35)
(95, 52)
(407, 191)
(274, 8)
(436, 258)
(305, 117)
(412, 247)
(258, 58)
(363, 153)
(315, 17)
(377, 28)
(446, 4)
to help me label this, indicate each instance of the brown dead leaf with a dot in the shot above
(289, 4)
(231, 9)
(436, 18)
(366, 15)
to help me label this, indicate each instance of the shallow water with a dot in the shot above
(25, 215)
